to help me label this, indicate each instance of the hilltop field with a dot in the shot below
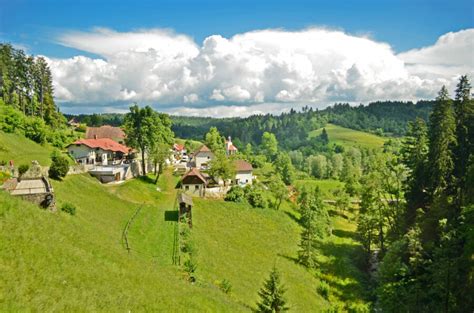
(59, 262)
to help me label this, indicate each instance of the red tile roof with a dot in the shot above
(195, 172)
(242, 166)
(203, 148)
(178, 147)
(103, 143)
(105, 131)
(230, 146)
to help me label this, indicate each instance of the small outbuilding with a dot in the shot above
(194, 182)
(185, 207)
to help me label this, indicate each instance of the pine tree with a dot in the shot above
(442, 140)
(464, 112)
(414, 157)
(272, 295)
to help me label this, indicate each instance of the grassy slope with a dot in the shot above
(57, 262)
(350, 137)
(325, 185)
(22, 150)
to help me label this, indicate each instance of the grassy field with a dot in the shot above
(22, 150)
(325, 185)
(56, 262)
(350, 137)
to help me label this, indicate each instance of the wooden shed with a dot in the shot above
(185, 203)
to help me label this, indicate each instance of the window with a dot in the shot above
(186, 187)
(208, 157)
(196, 187)
(246, 180)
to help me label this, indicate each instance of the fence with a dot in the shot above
(125, 231)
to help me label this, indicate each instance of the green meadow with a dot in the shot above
(22, 150)
(350, 137)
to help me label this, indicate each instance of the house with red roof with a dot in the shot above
(102, 151)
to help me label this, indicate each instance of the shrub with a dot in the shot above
(256, 199)
(3, 177)
(3, 162)
(324, 289)
(10, 119)
(69, 208)
(35, 129)
(235, 194)
(190, 267)
(225, 286)
(23, 168)
(59, 166)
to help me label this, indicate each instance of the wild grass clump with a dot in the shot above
(69, 208)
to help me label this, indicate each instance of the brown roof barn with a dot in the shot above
(243, 166)
(106, 131)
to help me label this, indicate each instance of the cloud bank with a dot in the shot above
(254, 72)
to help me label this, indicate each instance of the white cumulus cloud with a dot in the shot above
(250, 71)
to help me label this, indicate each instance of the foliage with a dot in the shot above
(69, 208)
(284, 167)
(147, 130)
(59, 166)
(255, 197)
(269, 145)
(214, 141)
(279, 191)
(272, 297)
(225, 286)
(222, 166)
(23, 168)
(235, 194)
(324, 289)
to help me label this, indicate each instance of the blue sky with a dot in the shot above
(228, 58)
(405, 24)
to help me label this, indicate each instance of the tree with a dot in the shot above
(318, 166)
(145, 129)
(415, 157)
(222, 167)
(284, 167)
(442, 140)
(59, 166)
(272, 295)
(464, 113)
(159, 154)
(324, 137)
(214, 141)
(315, 222)
(269, 145)
(337, 162)
(279, 190)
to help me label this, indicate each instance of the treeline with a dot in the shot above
(27, 98)
(416, 220)
(26, 84)
(381, 117)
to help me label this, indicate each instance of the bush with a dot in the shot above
(59, 166)
(256, 199)
(225, 286)
(10, 119)
(324, 289)
(22, 169)
(235, 194)
(35, 129)
(3, 177)
(69, 208)
(190, 267)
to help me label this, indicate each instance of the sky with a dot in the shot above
(236, 58)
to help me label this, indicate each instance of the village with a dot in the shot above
(104, 155)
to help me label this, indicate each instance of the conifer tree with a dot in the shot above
(464, 113)
(442, 140)
(272, 295)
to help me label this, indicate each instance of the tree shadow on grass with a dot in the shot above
(147, 179)
(289, 258)
(171, 216)
(344, 234)
(345, 262)
(293, 217)
(333, 213)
